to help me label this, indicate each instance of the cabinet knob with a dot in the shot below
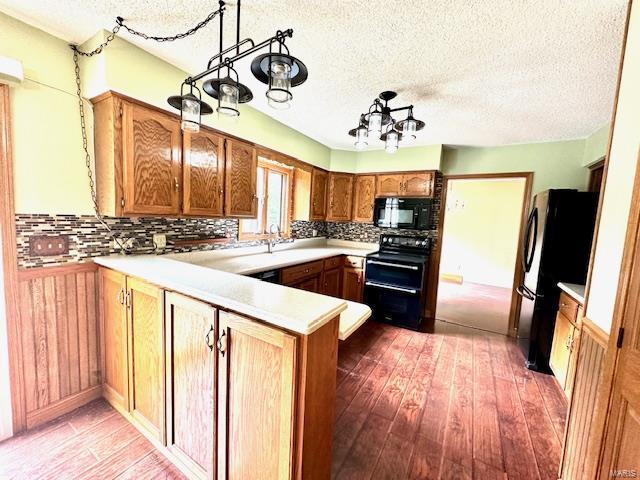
(176, 184)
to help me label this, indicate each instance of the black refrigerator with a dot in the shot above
(557, 245)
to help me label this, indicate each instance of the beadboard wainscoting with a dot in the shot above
(59, 339)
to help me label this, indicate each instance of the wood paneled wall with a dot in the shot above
(59, 339)
(593, 345)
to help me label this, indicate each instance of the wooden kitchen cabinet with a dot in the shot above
(352, 284)
(340, 193)
(151, 146)
(319, 181)
(113, 313)
(364, 193)
(241, 171)
(146, 356)
(389, 185)
(256, 395)
(203, 174)
(331, 282)
(408, 184)
(190, 333)
(310, 284)
(565, 342)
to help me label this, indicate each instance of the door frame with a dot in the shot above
(514, 310)
(10, 266)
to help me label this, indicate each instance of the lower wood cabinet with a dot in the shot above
(310, 284)
(566, 338)
(352, 284)
(146, 356)
(113, 286)
(256, 398)
(331, 282)
(190, 334)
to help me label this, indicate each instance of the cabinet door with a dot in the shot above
(114, 334)
(331, 283)
(256, 370)
(191, 372)
(340, 194)
(389, 185)
(417, 184)
(146, 356)
(310, 284)
(352, 283)
(561, 349)
(364, 193)
(151, 144)
(318, 194)
(203, 174)
(241, 171)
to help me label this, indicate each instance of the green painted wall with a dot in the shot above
(554, 164)
(595, 145)
(407, 158)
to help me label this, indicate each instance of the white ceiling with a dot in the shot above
(479, 72)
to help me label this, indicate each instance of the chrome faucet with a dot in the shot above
(273, 235)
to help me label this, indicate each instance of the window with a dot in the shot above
(273, 188)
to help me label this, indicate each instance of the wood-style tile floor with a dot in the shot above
(457, 403)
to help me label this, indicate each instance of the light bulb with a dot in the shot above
(190, 114)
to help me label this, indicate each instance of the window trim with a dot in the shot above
(270, 164)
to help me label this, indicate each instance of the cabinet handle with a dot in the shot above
(207, 339)
(222, 343)
(128, 299)
(121, 296)
(175, 182)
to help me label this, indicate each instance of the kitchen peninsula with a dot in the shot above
(274, 348)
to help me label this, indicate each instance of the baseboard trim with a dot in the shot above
(66, 405)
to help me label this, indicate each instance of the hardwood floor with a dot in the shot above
(457, 403)
(93, 442)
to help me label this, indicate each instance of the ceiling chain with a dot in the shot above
(126, 246)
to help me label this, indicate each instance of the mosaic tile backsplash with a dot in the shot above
(87, 238)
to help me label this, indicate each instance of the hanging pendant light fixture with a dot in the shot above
(380, 118)
(278, 69)
(362, 134)
(191, 108)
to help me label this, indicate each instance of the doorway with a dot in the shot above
(480, 240)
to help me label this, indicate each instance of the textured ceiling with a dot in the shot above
(479, 72)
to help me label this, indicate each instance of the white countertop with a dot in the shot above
(216, 277)
(574, 290)
(247, 261)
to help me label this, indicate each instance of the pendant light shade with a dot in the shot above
(191, 108)
(391, 141)
(362, 135)
(228, 100)
(375, 123)
(279, 85)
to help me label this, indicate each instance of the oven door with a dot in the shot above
(394, 213)
(403, 275)
(394, 305)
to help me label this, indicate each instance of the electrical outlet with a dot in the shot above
(46, 245)
(160, 240)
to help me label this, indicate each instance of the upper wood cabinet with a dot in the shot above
(190, 332)
(389, 185)
(319, 180)
(255, 417)
(151, 144)
(146, 356)
(241, 174)
(409, 184)
(113, 313)
(364, 193)
(203, 174)
(339, 197)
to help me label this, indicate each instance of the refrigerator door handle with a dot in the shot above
(524, 292)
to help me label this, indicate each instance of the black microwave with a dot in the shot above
(406, 213)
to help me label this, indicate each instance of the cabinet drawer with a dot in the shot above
(332, 262)
(568, 307)
(299, 272)
(355, 262)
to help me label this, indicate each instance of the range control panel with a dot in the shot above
(405, 243)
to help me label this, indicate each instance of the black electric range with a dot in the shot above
(396, 280)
